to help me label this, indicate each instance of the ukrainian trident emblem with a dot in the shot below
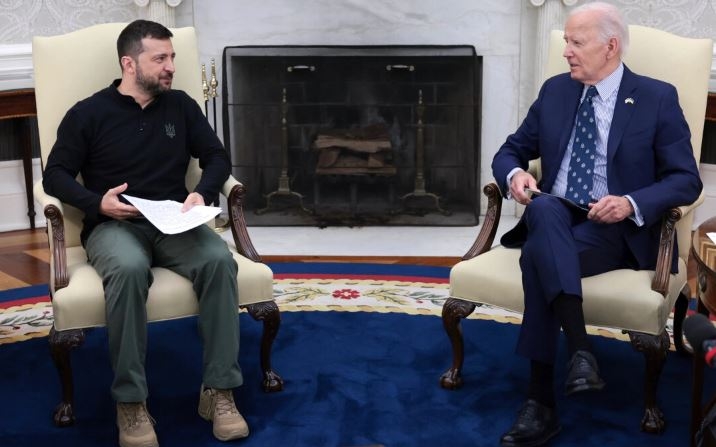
(169, 130)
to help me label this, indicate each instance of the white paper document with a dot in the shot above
(712, 236)
(166, 215)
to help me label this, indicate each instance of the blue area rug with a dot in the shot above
(351, 379)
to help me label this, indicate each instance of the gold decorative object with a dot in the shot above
(419, 187)
(284, 189)
(221, 223)
(204, 84)
(213, 83)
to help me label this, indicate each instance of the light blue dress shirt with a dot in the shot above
(604, 103)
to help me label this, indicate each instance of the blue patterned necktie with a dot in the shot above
(581, 163)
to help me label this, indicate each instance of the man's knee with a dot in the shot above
(544, 204)
(130, 267)
(218, 258)
(546, 209)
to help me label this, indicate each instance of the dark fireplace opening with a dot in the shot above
(348, 135)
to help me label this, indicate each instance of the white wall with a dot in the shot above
(13, 199)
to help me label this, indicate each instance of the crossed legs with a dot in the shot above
(562, 247)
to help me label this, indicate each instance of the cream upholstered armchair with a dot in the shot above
(69, 68)
(637, 302)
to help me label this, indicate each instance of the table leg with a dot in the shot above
(22, 127)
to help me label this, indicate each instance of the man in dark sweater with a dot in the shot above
(137, 137)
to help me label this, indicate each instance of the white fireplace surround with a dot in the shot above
(508, 34)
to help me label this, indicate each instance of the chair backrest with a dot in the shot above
(70, 67)
(683, 62)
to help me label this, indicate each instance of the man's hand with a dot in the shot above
(191, 201)
(111, 205)
(518, 183)
(610, 209)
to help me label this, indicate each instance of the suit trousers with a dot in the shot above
(123, 253)
(562, 246)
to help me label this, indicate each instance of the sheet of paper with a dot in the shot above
(567, 201)
(166, 215)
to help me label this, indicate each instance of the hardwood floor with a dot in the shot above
(24, 257)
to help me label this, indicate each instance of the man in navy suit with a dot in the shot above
(640, 164)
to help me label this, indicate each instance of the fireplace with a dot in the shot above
(349, 135)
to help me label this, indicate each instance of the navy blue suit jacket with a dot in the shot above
(649, 154)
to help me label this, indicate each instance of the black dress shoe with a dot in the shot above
(535, 425)
(583, 373)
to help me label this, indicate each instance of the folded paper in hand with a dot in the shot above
(167, 216)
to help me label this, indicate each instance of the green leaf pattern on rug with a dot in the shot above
(404, 296)
(294, 294)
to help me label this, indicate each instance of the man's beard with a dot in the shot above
(150, 85)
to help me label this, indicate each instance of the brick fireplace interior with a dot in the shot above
(349, 135)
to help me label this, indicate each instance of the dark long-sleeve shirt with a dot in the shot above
(109, 139)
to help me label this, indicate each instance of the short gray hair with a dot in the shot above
(611, 22)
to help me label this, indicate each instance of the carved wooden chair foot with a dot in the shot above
(455, 310)
(61, 343)
(267, 312)
(655, 348)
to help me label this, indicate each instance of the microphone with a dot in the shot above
(701, 334)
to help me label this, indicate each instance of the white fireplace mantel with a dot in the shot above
(16, 66)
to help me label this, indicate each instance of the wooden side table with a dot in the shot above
(711, 107)
(703, 251)
(20, 105)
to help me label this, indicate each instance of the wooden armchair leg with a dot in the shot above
(455, 309)
(268, 313)
(654, 348)
(61, 343)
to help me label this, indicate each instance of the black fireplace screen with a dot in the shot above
(329, 135)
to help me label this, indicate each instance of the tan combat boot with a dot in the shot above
(218, 406)
(136, 426)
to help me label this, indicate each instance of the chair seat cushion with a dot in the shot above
(494, 278)
(81, 304)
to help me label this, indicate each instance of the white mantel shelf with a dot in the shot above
(16, 66)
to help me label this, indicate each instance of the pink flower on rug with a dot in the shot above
(346, 294)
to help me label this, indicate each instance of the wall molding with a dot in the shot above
(16, 66)
(13, 198)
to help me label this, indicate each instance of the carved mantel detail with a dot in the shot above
(161, 11)
(539, 3)
(550, 15)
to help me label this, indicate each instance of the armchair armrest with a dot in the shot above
(660, 283)
(54, 212)
(235, 192)
(535, 168)
(686, 209)
(486, 237)
(229, 185)
(45, 199)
